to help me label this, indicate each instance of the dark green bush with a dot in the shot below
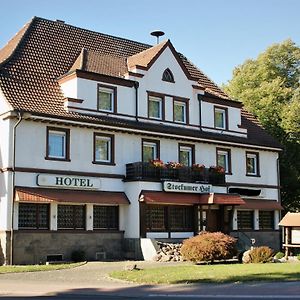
(279, 255)
(78, 256)
(209, 246)
(261, 254)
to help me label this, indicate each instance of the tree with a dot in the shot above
(269, 87)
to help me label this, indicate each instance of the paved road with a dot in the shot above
(91, 282)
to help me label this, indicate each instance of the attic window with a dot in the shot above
(168, 76)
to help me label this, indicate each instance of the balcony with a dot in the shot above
(146, 171)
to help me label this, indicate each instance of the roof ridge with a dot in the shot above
(26, 28)
(93, 31)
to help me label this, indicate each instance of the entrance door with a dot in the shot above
(212, 220)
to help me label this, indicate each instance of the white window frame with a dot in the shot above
(64, 144)
(109, 143)
(255, 156)
(110, 91)
(188, 149)
(226, 154)
(152, 145)
(182, 104)
(160, 101)
(222, 111)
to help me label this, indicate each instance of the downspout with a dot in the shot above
(136, 86)
(20, 115)
(200, 111)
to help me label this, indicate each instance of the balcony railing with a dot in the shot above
(146, 171)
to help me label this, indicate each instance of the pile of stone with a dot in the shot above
(168, 252)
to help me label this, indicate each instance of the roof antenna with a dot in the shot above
(157, 33)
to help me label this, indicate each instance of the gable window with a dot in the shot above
(150, 150)
(70, 216)
(103, 148)
(186, 154)
(168, 76)
(180, 111)
(58, 143)
(221, 117)
(252, 164)
(155, 107)
(224, 159)
(33, 216)
(107, 98)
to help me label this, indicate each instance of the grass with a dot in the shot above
(37, 268)
(212, 273)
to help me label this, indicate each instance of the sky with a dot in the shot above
(216, 35)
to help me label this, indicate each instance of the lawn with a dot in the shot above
(212, 273)
(36, 268)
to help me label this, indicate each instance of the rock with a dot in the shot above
(131, 268)
(246, 257)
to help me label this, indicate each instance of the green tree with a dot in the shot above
(269, 87)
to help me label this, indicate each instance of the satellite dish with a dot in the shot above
(157, 33)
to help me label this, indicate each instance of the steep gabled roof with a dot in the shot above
(44, 50)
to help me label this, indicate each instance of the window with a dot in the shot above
(150, 150)
(168, 76)
(245, 219)
(180, 111)
(266, 220)
(103, 148)
(71, 216)
(155, 218)
(186, 155)
(58, 143)
(155, 107)
(106, 217)
(107, 98)
(224, 159)
(33, 216)
(220, 118)
(181, 218)
(252, 166)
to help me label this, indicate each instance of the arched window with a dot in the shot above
(168, 76)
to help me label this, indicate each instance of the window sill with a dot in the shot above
(57, 159)
(229, 173)
(253, 175)
(103, 163)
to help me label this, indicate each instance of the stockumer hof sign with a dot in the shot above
(183, 187)
(71, 182)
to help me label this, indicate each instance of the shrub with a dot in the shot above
(209, 246)
(78, 256)
(279, 255)
(261, 254)
(298, 256)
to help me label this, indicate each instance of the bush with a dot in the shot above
(279, 255)
(298, 256)
(209, 246)
(261, 254)
(78, 256)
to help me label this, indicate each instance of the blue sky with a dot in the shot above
(216, 35)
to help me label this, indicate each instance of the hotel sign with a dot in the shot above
(68, 182)
(184, 187)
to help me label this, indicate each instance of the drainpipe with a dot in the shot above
(136, 86)
(200, 117)
(20, 115)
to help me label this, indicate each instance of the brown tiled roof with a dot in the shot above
(145, 57)
(45, 50)
(290, 220)
(101, 63)
(26, 194)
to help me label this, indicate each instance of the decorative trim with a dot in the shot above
(257, 164)
(135, 74)
(162, 96)
(225, 109)
(74, 100)
(221, 101)
(187, 110)
(187, 145)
